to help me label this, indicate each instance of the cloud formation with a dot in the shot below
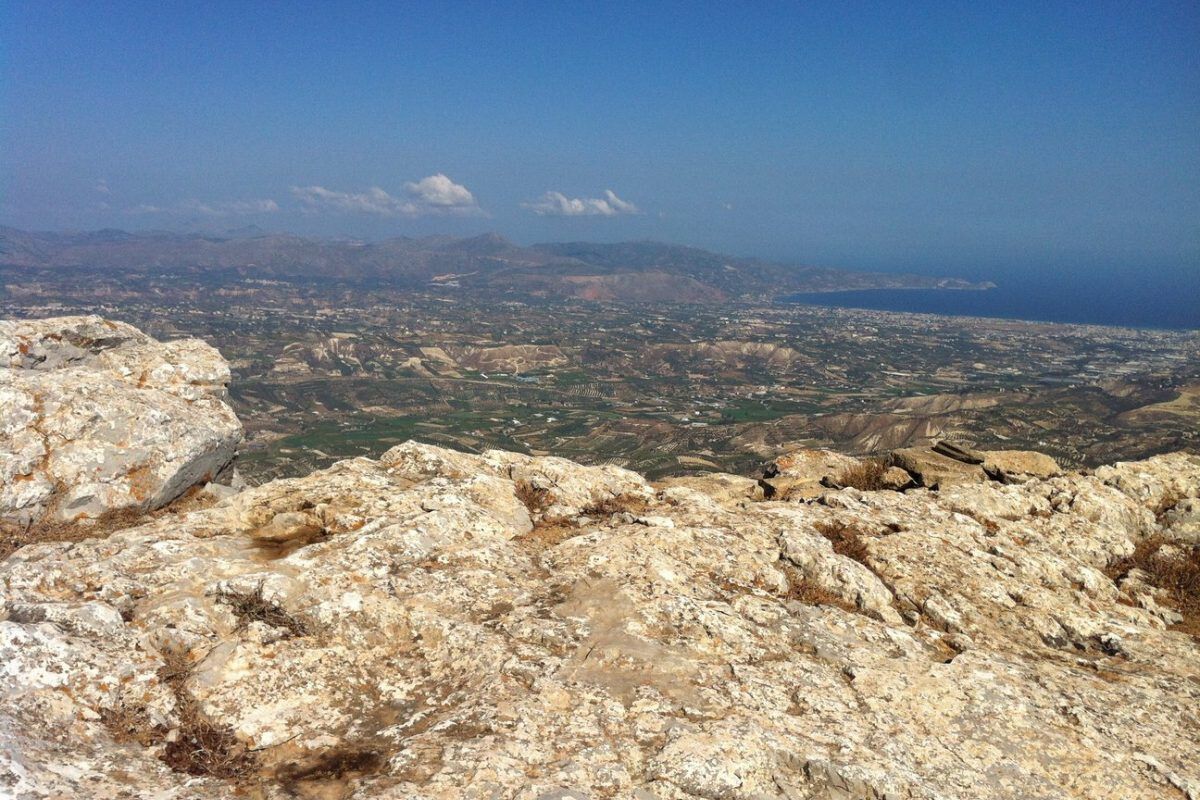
(436, 194)
(216, 208)
(559, 205)
(227, 207)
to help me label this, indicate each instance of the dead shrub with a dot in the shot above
(867, 475)
(616, 504)
(534, 498)
(131, 723)
(846, 540)
(802, 590)
(254, 607)
(202, 748)
(199, 747)
(1171, 498)
(1177, 575)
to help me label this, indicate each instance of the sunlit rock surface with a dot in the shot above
(434, 624)
(96, 416)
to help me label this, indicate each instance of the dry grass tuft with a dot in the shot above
(805, 591)
(846, 540)
(13, 536)
(1177, 575)
(616, 504)
(867, 475)
(535, 499)
(254, 607)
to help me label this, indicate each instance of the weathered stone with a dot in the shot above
(95, 416)
(1017, 466)
(435, 624)
(934, 470)
(720, 486)
(957, 452)
(806, 473)
(399, 628)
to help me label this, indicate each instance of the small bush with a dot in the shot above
(867, 475)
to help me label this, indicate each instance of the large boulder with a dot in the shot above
(1017, 466)
(935, 470)
(96, 417)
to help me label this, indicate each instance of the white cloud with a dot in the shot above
(558, 204)
(227, 207)
(216, 208)
(441, 192)
(372, 201)
(436, 194)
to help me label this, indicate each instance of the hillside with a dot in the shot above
(439, 624)
(487, 265)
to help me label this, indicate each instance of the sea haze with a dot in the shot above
(1147, 300)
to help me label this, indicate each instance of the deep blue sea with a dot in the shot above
(1140, 301)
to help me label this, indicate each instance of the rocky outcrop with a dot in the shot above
(805, 472)
(441, 625)
(946, 464)
(435, 624)
(96, 416)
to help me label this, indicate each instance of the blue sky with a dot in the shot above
(941, 137)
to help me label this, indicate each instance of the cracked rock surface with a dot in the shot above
(435, 624)
(96, 416)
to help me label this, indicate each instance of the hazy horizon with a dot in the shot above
(936, 139)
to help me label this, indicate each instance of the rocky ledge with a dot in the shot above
(96, 417)
(434, 624)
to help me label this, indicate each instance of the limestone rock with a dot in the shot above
(409, 628)
(435, 624)
(805, 472)
(1017, 466)
(96, 416)
(720, 486)
(935, 470)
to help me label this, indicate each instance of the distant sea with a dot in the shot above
(1139, 301)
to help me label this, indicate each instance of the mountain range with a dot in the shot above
(641, 271)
